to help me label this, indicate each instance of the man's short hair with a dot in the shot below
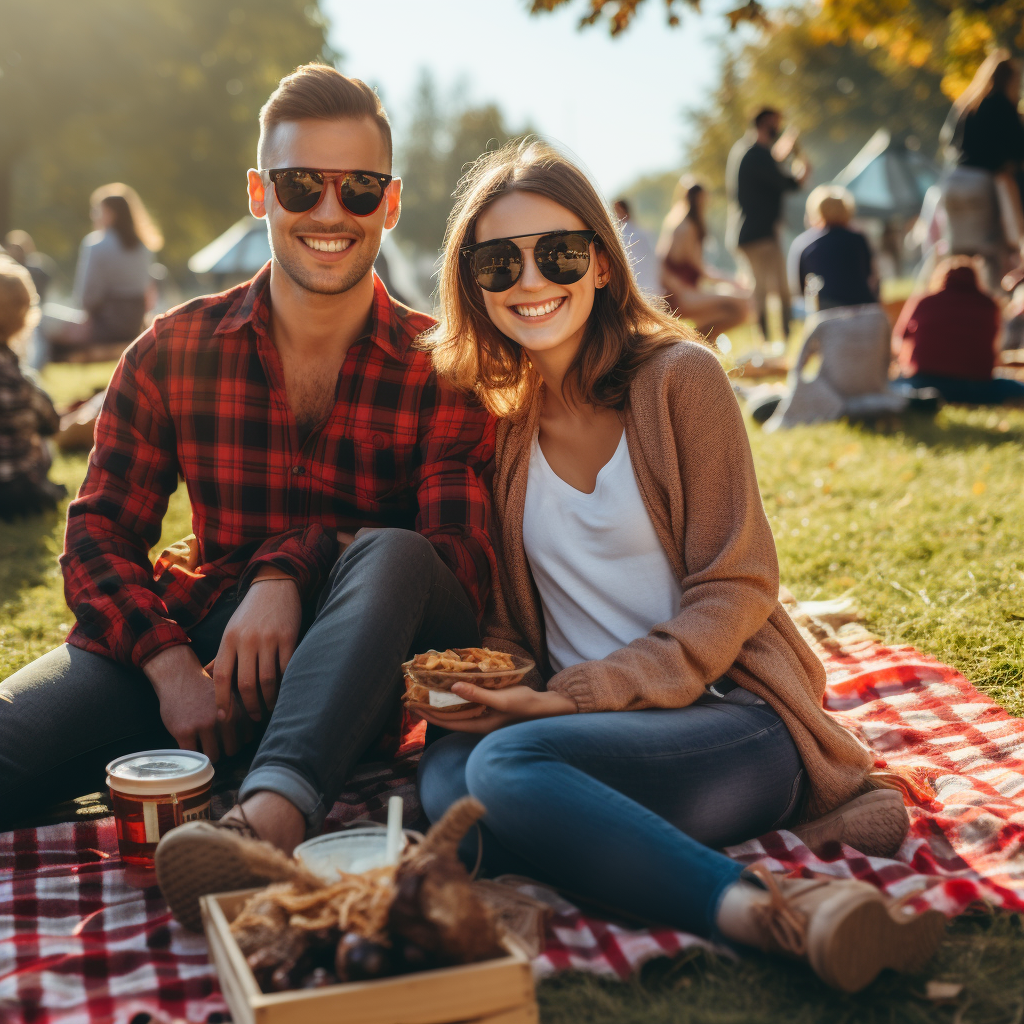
(322, 93)
(624, 203)
(763, 114)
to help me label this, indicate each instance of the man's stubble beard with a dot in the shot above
(291, 263)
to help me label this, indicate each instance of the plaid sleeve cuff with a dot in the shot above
(159, 637)
(304, 555)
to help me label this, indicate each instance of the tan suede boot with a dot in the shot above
(204, 857)
(876, 823)
(846, 930)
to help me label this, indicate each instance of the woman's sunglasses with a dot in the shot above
(300, 189)
(563, 257)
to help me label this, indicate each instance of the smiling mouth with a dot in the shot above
(540, 310)
(327, 245)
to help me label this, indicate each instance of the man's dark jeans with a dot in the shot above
(388, 595)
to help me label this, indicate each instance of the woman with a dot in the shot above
(834, 258)
(113, 289)
(681, 251)
(985, 137)
(947, 339)
(675, 708)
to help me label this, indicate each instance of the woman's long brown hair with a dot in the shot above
(623, 330)
(132, 223)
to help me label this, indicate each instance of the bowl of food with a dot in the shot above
(429, 677)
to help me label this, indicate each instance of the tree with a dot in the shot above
(163, 94)
(948, 36)
(442, 140)
(620, 13)
(837, 94)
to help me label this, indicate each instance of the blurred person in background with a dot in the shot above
(21, 246)
(756, 183)
(985, 136)
(831, 264)
(113, 288)
(681, 254)
(26, 412)
(947, 339)
(642, 257)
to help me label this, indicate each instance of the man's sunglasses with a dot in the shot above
(300, 189)
(563, 257)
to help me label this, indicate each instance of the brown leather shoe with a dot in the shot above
(846, 930)
(203, 857)
(876, 823)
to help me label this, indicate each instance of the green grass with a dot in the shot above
(924, 527)
(33, 615)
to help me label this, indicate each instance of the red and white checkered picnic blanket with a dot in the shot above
(79, 944)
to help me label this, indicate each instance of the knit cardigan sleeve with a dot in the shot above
(724, 547)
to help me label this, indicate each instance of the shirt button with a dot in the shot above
(298, 470)
(379, 441)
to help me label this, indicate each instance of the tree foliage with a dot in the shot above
(619, 14)
(948, 36)
(443, 138)
(163, 94)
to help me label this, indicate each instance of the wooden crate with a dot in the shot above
(494, 992)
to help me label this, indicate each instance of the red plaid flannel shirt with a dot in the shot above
(202, 394)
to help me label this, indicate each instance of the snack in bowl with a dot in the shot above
(430, 676)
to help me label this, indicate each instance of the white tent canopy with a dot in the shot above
(887, 179)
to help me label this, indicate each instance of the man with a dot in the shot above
(642, 257)
(295, 409)
(756, 184)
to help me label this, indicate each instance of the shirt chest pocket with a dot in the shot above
(371, 469)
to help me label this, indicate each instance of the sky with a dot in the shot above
(616, 104)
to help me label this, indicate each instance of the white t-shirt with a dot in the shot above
(604, 578)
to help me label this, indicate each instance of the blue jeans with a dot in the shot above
(625, 807)
(388, 596)
(967, 392)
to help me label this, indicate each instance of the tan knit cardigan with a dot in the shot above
(693, 464)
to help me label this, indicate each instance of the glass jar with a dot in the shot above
(154, 791)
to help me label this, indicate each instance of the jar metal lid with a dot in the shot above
(156, 772)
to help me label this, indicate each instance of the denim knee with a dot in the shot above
(442, 773)
(494, 772)
(403, 554)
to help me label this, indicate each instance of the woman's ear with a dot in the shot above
(604, 268)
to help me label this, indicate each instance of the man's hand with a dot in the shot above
(187, 706)
(257, 644)
(513, 704)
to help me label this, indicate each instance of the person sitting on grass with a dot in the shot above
(681, 251)
(113, 287)
(26, 412)
(831, 256)
(947, 338)
(675, 708)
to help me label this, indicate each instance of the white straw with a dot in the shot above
(394, 847)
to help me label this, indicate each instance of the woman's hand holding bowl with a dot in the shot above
(508, 706)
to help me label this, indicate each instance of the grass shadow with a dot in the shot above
(27, 552)
(945, 433)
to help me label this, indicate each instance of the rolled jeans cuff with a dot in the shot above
(293, 787)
